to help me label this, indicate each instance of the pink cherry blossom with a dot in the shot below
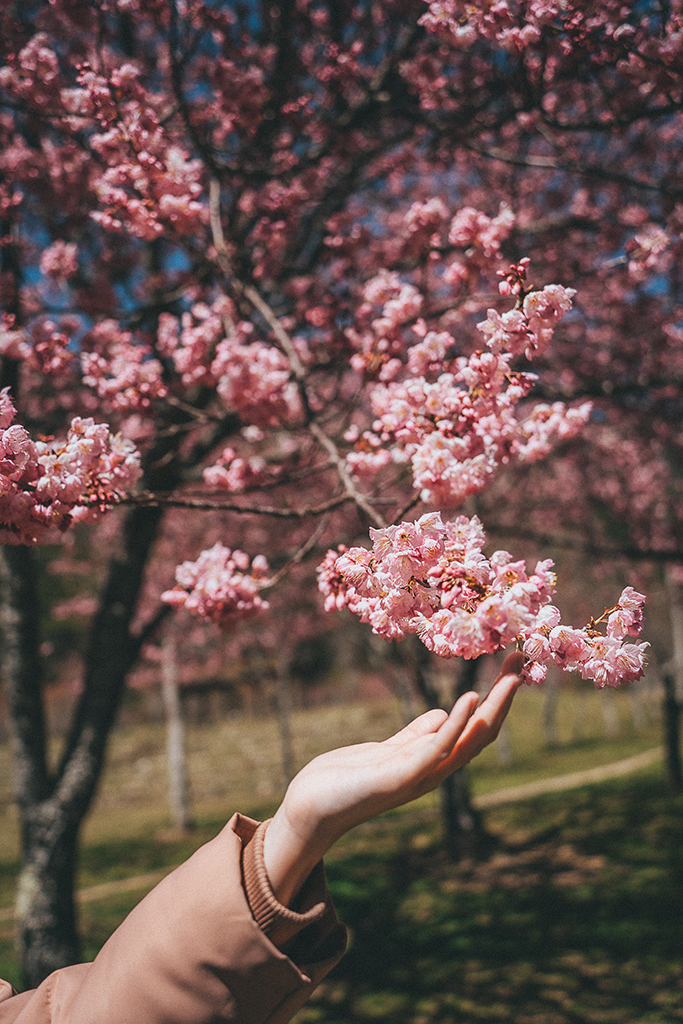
(49, 485)
(431, 578)
(222, 585)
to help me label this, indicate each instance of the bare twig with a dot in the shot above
(299, 555)
(149, 500)
(345, 477)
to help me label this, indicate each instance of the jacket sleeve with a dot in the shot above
(194, 951)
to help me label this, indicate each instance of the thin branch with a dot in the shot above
(247, 290)
(299, 555)
(554, 164)
(298, 369)
(148, 500)
(345, 477)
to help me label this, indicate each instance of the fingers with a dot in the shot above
(512, 666)
(460, 736)
(448, 736)
(485, 722)
(430, 721)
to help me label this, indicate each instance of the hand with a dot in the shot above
(344, 787)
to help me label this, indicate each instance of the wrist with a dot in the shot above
(289, 856)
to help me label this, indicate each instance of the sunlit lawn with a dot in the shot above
(577, 917)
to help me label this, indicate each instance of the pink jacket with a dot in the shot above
(209, 944)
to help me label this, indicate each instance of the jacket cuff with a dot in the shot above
(280, 923)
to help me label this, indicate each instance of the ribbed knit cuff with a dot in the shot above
(281, 924)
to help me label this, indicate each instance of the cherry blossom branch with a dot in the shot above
(344, 475)
(431, 578)
(247, 290)
(298, 368)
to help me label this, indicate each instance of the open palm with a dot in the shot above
(344, 787)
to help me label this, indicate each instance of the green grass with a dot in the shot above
(576, 917)
(585, 888)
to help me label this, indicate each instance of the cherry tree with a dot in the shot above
(327, 267)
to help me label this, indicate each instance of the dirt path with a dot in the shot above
(570, 781)
(500, 796)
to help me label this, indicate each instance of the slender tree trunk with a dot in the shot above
(283, 702)
(672, 733)
(672, 677)
(176, 751)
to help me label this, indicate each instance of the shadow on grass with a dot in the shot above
(577, 918)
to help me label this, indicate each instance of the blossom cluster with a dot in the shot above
(120, 369)
(251, 377)
(604, 658)
(150, 184)
(50, 485)
(454, 419)
(222, 586)
(233, 473)
(431, 578)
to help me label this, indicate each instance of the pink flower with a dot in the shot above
(60, 260)
(432, 578)
(222, 585)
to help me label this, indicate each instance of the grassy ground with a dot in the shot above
(576, 918)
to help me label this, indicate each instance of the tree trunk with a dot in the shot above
(52, 805)
(465, 834)
(283, 702)
(45, 910)
(672, 733)
(672, 677)
(176, 754)
(47, 927)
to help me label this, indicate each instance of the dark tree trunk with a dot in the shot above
(465, 834)
(672, 733)
(672, 677)
(47, 927)
(52, 806)
(45, 910)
